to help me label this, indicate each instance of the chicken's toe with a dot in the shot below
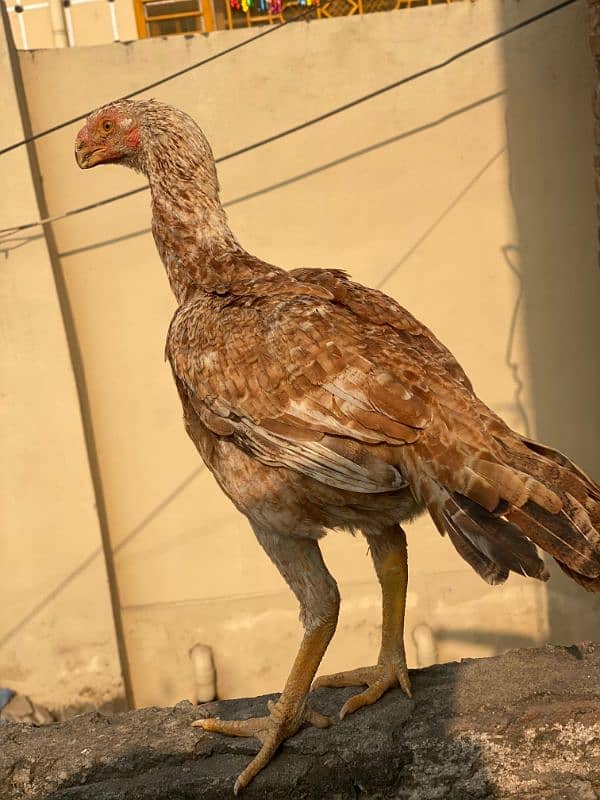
(378, 679)
(284, 719)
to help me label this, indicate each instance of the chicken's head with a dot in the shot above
(110, 135)
(162, 142)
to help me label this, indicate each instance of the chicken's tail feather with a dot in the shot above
(496, 510)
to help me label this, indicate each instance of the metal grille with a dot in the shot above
(236, 18)
(340, 8)
(168, 17)
(370, 6)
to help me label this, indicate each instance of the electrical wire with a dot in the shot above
(162, 80)
(320, 118)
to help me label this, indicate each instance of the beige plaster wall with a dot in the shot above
(413, 192)
(550, 130)
(57, 640)
(91, 24)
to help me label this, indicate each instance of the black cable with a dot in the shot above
(160, 81)
(357, 101)
(395, 84)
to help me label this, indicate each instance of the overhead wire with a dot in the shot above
(307, 123)
(165, 79)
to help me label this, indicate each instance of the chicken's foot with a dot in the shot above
(301, 564)
(286, 715)
(389, 554)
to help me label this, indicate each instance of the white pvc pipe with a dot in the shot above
(23, 31)
(69, 22)
(203, 668)
(57, 22)
(425, 645)
(113, 20)
(28, 7)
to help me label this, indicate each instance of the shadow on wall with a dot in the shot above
(495, 641)
(551, 151)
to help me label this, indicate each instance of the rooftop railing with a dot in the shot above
(60, 25)
(246, 13)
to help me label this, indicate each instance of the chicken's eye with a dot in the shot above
(107, 126)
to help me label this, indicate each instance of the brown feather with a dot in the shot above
(504, 544)
(554, 533)
(491, 572)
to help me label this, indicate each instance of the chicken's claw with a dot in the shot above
(378, 679)
(283, 721)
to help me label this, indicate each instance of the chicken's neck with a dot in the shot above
(192, 235)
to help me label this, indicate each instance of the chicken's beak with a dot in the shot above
(87, 157)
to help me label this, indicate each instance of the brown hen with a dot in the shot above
(318, 403)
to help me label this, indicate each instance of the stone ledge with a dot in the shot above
(522, 725)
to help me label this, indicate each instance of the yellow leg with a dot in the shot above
(391, 563)
(302, 566)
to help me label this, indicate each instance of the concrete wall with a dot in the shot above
(91, 20)
(57, 639)
(551, 147)
(416, 192)
(91, 24)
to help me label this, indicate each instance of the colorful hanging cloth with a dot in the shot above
(265, 6)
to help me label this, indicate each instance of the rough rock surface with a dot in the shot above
(523, 725)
